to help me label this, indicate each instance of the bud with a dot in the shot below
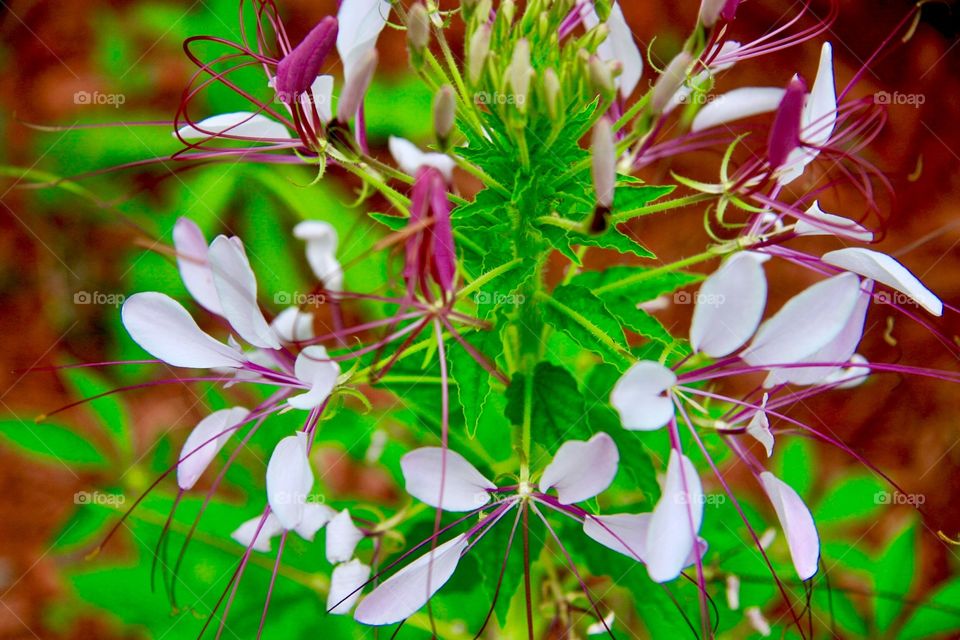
(601, 78)
(713, 10)
(670, 82)
(553, 91)
(356, 87)
(418, 27)
(299, 68)
(444, 113)
(520, 72)
(478, 52)
(604, 163)
(603, 9)
(785, 133)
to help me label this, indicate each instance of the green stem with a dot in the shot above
(658, 207)
(709, 254)
(477, 284)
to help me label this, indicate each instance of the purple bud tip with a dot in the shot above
(729, 11)
(785, 134)
(299, 68)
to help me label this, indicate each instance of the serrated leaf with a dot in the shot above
(584, 317)
(639, 284)
(893, 575)
(557, 412)
(394, 223)
(108, 409)
(474, 382)
(937, 616)
(628, 198)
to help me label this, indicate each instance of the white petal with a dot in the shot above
(797, 523)
(314, 367)
(820, 110)
(161, 325)
(242, 124)
(237, 287)
(315, 517)
(757, 621)
(675, 521)
(360, 24)
(192, 262)
(293, 325)
(204, 442)
(729, 307)
(886, 270)
(463, 487)
(245, 533)
(346, 584)
(581, 469)
(410, 588)
(620, 46)
(410, 159)
(322, 90)
(289, 480)
(838, 350)
(806, 323)
(321, 239)
(737, 104)
(759, 429)
(817, 222)
(342, 538)
(639, 396)
(849, 377)
(624, 533)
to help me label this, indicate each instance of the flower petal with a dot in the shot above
(240, 124)
(806, 323)
(820, 111)
(639, 396)
(315, 368)
(675, 521)
(293, 325)
(289, 480)
(797, 522)
(321, 239)
(346, 584)
(759, 429)
(204, 442)
(195, 272)
(164, 329)
(624, 533)
(581, 469)
(884, 269)
(817, 222)
(463, 487)
(410, 159)
(406, 591)
(342, 538)
(247, 533)
(237, 287)
(315, 517)
(729, 307)
(361, 22)
(620, 46)
(736, 104)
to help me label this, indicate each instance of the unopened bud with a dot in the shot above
(478, 52)
(603, 9)
(553, 90)
(713, 10)
(444, 113)
(670, 82)
(604, 163)
(356, 87)
(520, 72)
(785, 133)
(297, 71)
(418, 27)
(601, 78)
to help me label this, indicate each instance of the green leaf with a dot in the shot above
(639, 321)
(474, 382)
(51, 443)
(893, 575)
(795, 464)
(853, 500)
(612, 238)
(634, 283)
(394, 223)
(491, 553)
(938, 616)
(557, 412)
(110, 411)
(628, 198)
(584, 317)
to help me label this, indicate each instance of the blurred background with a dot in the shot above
(68, 255)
